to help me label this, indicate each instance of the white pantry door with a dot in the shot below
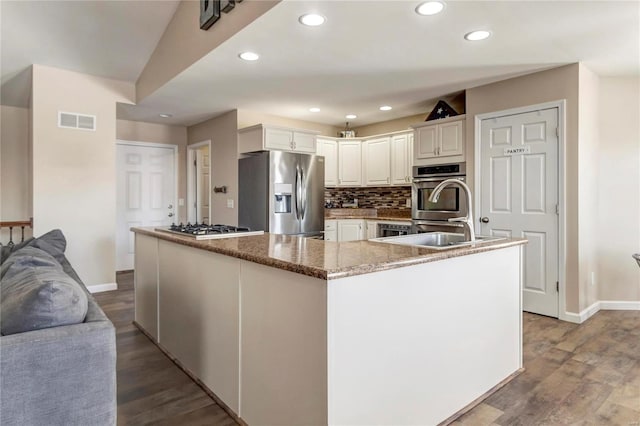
(519, 196)
(146, 183)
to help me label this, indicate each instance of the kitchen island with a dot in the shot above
(286, 330)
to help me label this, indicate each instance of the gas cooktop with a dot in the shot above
(204, 231)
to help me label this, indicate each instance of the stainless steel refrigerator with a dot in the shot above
(282, 193)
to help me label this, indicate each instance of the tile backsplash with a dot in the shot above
(394, 197)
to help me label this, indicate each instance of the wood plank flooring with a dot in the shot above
(586, 374)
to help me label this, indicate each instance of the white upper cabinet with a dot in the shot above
(263, 137)
(440, 143)
(328, 148)
(376, 161)
(401, 159)
(350, 163)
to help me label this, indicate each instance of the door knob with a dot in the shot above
(170, 215)
(484, 219)
(170, 206)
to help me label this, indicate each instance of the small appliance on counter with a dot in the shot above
(204, 231)
(282, 193)
(434, 217)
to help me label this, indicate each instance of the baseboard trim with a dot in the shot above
(99, 288)
(601, 305)
(620, 305)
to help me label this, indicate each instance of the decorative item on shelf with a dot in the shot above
(220, 189)
(441, 110)
(210, 11)
(347, 132)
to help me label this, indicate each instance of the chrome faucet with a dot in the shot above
(467, 221)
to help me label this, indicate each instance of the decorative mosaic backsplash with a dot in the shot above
(369, 198)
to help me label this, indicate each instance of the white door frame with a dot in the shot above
(190, 178)
(562, 236)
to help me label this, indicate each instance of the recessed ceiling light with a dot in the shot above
(312, 19)
(164, 115)
(350, 116)
(477, 35)
(429, 8)
(314, 109)
(249, 56)
(385, 108)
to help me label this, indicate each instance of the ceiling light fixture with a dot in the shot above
(477, 35)
(350, 116)
(385, 108)
(165, 115)
(429, 8)
(312, 19)
(249, 56)
(314, 109)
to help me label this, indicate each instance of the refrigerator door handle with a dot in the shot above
(297, 189)
(303, 195)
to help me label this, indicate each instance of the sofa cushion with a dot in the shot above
(6, 251)
(36, 293)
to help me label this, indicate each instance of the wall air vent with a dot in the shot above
(72, 120)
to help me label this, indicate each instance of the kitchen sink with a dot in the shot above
(436, 240)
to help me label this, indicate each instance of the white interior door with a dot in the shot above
(204, 190)
(146, 183)
(519, 196)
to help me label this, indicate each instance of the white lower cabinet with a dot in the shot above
(330, 230)
(372, 229)
(351, 229)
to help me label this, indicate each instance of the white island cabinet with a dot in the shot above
(292, 331)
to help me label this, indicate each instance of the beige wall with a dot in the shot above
(137, 131)
(74, 171)
(456, 101)
(15, 167)
(223, 133)
(183, 42)
(588, 141)
(618, 186)
(556, 84)
(248, 118)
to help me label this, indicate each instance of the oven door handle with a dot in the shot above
(438, 223)
(437, 179)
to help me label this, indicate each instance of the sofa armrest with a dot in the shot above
(59, 376)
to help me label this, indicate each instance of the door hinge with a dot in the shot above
(558, 286)
(557, 209)
(557, 132)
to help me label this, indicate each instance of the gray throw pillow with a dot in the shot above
(36, 293)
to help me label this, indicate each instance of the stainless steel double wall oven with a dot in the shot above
(431, 217)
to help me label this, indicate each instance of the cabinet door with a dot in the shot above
(376, 162)
(350, 230)
(400, 160)
(331, 235)
(450, 138)
(349, 163)
(410, 158)
(278, 139)
(427, 142)
(372, 229)
(329, 150)
(304, 142)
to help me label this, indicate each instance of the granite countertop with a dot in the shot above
(325, 259)
(392, 215)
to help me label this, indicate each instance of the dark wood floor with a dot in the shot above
(586, 374)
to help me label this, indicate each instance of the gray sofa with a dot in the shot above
(59, 375)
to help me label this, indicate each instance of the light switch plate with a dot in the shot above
(181, 201)
(230, 203)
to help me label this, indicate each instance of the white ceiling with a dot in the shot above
(112, 39)
(369, 53)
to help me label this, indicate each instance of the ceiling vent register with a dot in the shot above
(72, 120)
